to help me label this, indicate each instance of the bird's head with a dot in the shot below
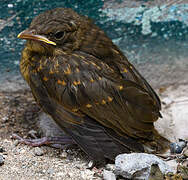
(51, 29)
(63, 28)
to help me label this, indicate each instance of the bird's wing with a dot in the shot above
(83, 85)
(98, 141)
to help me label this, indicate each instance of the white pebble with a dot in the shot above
(10, 5)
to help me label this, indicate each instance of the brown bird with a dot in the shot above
(85, 83)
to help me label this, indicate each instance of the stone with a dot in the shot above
(2, 149)
(87, 174)
(38, 151)
(155, 173)
(1, 160)
(110, 167)
(108, 175)
(177, 147)
(16, 142)
(167, 101)
(64, 155)
(138, 165)
(50, 171)
(172, 164)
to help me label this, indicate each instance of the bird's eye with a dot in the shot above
(59, 35)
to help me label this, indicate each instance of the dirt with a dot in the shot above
(20, 114)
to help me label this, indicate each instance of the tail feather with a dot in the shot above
(101, 143)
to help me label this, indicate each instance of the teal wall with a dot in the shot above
(153, 36)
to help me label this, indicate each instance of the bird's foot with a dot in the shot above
(60, 142)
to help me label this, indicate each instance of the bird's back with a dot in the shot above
(92, 91)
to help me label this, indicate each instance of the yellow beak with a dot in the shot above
(29, 35)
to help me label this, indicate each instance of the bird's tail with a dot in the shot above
(102, 143)
(157, 144)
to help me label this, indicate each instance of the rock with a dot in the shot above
(108, 175)
(16, 142)
(110, 167)
(91, 164)
(22, 151)
(167, 101)
(172, 164)
(70, 174)
(61, 174)
(138, 165)
(182, 143)
(38, 151)
(2, 149)
(1, 160)
(87, 174)
(155, 173)
(4, 119)
(64, 155)
(50, 171)
(177, 147)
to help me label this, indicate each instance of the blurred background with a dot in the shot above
(153, 34)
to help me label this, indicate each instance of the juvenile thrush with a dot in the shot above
(86, 84)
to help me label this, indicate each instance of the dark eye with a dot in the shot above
(58, 35)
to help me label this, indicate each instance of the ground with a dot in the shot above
(20, 114)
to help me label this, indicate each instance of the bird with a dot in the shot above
(83, 81)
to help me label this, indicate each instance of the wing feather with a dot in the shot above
(127, 105)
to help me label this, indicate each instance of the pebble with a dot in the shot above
(16, 142)
(38, 151)
(90, 164)
(108, 175)
(173, 165)
(1, 160)
(167, 101)
(177, 147)
(50, 171)
(87, 174)
(64, 155)
(110, 167)
(60, 174)
(70, 174)
(138, 165)
(10, 5)
(4, 119)
(22, 151)
(2, 149)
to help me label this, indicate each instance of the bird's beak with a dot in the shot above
(26, 34)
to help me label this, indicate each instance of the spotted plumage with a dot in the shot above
(85, 83)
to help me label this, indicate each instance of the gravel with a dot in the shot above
(19, 161)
